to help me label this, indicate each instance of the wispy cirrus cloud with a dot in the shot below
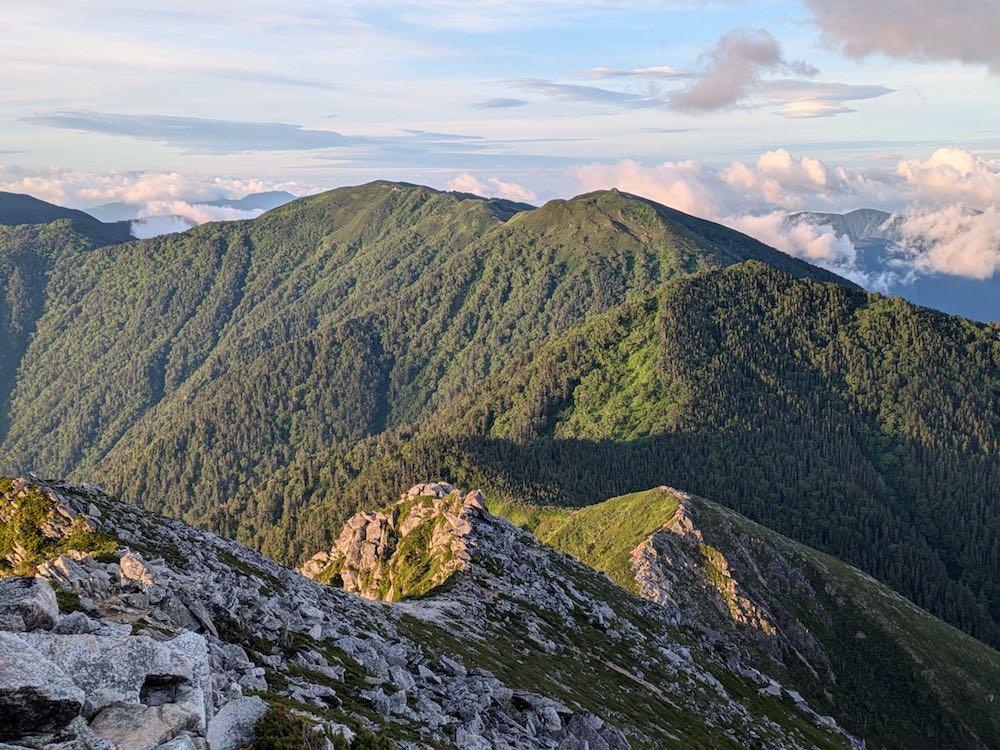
(654, 71)
(210, 136)
(500, 102)
(574, 92)
(736, 72)
(805, 99)
(198, 133)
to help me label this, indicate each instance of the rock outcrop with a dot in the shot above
(691, 577)
(27, 604)
(407, 550)
(531, 605)
(675, 563)
(179, 640)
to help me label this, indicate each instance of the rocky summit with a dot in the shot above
(123, 630)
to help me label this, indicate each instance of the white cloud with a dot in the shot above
(196, 213)
(83, 188)
(936, 234)
(687, 186)
(733, 70)
(494, 187)
(816, 244)
(734, 74)
(745, 198)
(953, 241)
(922, 30)
(776, 180)
(154, 226)
(653, 71)
(162, 201)
(953, 175)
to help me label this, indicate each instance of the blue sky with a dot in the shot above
(188, 100)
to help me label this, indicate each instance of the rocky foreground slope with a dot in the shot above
(829, 638)
(140, 632)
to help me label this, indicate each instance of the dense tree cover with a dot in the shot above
(192, 365)
(861, 425)
(268, 377)
(36, 238)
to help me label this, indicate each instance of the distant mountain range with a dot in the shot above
(18, 209)
(874, 233)
(120, 211)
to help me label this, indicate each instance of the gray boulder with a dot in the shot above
(115, 669)
(36, 696)
(134, 568)
(31, 599)
(233, 726)
(131, 727)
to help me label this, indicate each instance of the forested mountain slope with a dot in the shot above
(265, 377)
(18, 209)
(37, 239)
(193, 364)
(861, 425)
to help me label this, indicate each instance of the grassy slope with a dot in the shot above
(600, 535)
(904, 677)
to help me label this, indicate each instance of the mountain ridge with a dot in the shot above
(817, 628)
(252, 363)
(242, 645)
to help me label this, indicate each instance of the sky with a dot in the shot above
(736, 111)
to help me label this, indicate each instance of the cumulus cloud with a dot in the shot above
(747, 198)
(494, 187)
(161, 201)
(776, 180)
(84, 188)
(688, 186)
(953, 175)
(952, 241)
(922, 30)
(949, 221)
(816, 243)
(167, 216)
(154, 226)
(196, 213)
